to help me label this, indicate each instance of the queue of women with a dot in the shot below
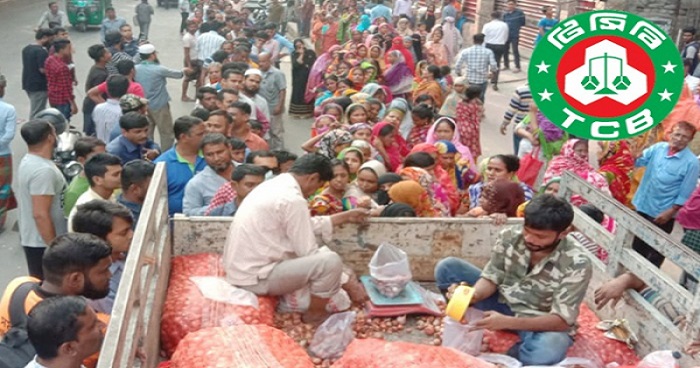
(404, 135)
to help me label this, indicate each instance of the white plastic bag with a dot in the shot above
(219, 290)
(457, 335)
(333, 336)
(578, 363)
(390, 270)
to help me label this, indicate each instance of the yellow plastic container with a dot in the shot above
(459, 303)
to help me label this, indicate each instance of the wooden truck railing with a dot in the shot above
(135, 324)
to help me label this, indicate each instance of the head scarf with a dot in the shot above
(332, 105)
(364, 24)
(616, 166)
(464, 151)
(417, 46)
(502, 197)
(359, 126)
(331, 140)
(315, 125)
(345, 151)
(414, 195)
(397, 44)
(352, 107)
(447, 186)
(377, 168)
(402, 105)
(317, 71)
(450, 38)
(546, 185)
(464, 173)
(419, 175)
(392, 151)
(383, 195)
(359, 97)
(398, 210)
(366, 65)
(568, 160)
(371, 89)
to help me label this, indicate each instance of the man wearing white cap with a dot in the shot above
(251, 85)
(153, 77)
(8, 122)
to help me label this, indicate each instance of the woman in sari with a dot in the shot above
(357, 77)
(417, 44)
(574, 158)
(445, 128)
(399, 114)
(413, 194)
(616, 165)
(403, 27)
(302, 61)
(438, 197)
(329, 33)
(330, 200)
(441, 175)
(452, 39)
(437, 48)
(449, 107)
(330, 143)
(384, 139)
(429, 18)
(499, 200)
(468, 119)
(461, 171)
(363, 191)
(397, 44)
(364, 23)
(318, 71)
(430, 86)
(362, 52)
(376, 53)
(398, 77)
(498, 168)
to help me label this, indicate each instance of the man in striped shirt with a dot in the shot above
(478, 60)
(518, 109)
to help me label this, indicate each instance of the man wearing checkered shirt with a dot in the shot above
(60, 79)
(478, 60)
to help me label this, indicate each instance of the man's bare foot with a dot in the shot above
(314, 318)
(186, 99)
(356, 291)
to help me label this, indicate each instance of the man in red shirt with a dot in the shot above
(60, 79)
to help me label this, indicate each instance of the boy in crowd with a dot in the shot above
(103, 172)
(84, 148)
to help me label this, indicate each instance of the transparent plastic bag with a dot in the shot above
(333, 336)
(501, 360)
(299, 301)
(457, 335)
(578, 363)
(390, 270)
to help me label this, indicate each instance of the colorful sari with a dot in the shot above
(443, 176)
(317, 72)
(417, 136)
(413, 194)
(394, 151)
(464, 173)
(399, 77)
(468, 120)
(431, 88)
(449, 107)
(439, 52)
(397, 45)
(568, 160)
(438, 197)
(464, 151)
(616, 165)
(325, 205)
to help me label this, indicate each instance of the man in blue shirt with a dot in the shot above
(111, 23)
(515, 19)
(184, 160)
(380, 10)
(136, 177)
(669, 179)
(133, 143)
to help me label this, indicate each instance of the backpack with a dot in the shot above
(15, 349)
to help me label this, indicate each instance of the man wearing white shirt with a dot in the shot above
(271, 248)
(104, 172)
(496, 36)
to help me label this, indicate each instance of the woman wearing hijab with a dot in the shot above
(385, 140)
(452, 39)
(429, 86)
(330, 144)
(417, 46)
(460, 170)
(445, 128)
(363, 191)
(397, 44)
(329, 33)
(500, 198)
(386, 181)
(442, 176)
(303, 60)
(403, 27)
(376, 53)
(414, 195)
(437, 48)
(616, 164)
(318, 71)
(449, 107)
(574, 158)
(398, 210)
(364, 24)
(398, 77)
(437, 196)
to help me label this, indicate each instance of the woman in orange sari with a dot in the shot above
(429, 85)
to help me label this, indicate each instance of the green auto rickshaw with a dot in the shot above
(84, 13)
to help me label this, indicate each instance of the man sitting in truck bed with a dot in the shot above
(271, 246)
(533, 284)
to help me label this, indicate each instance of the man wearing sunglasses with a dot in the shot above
(267, 160)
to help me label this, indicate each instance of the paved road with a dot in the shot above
(18, 18)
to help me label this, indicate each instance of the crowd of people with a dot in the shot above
(397, 97)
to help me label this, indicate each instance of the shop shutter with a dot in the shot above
(471, 6)
(533, 14)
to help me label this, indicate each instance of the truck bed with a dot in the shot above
(136, 315)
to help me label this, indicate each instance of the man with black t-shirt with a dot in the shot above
(33, 74)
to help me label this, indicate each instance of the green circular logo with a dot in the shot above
(606, 75)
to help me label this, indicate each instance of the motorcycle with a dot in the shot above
(64, 153)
